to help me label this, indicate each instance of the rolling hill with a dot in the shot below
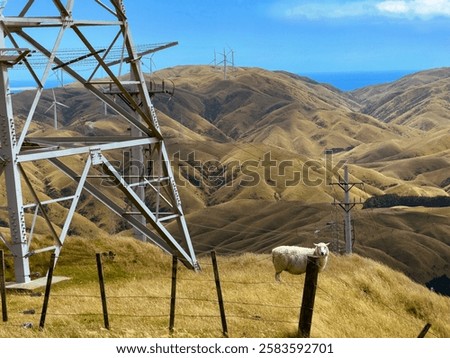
(420, 100)
(248, 155)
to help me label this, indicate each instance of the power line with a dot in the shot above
(115, 54)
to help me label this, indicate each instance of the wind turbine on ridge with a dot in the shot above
(55, 105)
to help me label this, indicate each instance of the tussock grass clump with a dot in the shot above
(356, 297)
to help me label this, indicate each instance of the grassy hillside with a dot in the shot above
(356, 297)
(248, 155)
(419, 100)
(410, 240)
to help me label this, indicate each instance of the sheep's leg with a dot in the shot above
(277, 276)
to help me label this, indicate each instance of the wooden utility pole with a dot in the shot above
(173, 293)
(47, 291)
(309, 295)
(424, 330)
(101, 282)
(347, 206)
(219, 294)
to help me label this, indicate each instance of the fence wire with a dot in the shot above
(257, 317)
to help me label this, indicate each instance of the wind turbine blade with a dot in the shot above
(49, 108)
(62, 104)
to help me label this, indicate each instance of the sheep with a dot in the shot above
(293, 259)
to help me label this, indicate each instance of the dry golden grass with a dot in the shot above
(240, 120)
(356, 297)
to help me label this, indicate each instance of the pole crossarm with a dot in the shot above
(347, 207)
(346, 186)
(141, 190)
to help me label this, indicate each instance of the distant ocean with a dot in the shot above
(20, 85)
(349, 81)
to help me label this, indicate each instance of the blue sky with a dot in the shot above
(300, 36)
(303, 36)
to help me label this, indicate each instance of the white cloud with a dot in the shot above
(432, 7)
(415, 8)
(395, 7)
(315, 10)
(310, 9)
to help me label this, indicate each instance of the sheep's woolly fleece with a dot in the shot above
(294, 259)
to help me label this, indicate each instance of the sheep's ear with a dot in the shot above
(327, 244)
(316, 244)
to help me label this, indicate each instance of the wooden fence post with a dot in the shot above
(173, 293)
(219, 294)
(424, 331)
(47, 291)
(309, 294)
(3, 286)
(101, 281)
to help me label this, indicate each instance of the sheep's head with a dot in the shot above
(321, 249)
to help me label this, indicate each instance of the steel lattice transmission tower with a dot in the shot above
(148, 198)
